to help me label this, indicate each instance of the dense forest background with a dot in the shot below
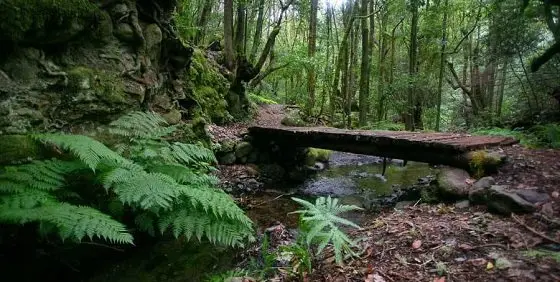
(434, 65)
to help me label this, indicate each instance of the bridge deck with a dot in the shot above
(415, 146)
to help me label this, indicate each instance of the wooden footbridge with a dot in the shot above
(435, 148)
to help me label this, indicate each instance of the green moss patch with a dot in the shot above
(107, 86)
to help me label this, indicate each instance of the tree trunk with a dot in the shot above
(203, 21)
(240, 29)
(365, 66)
(410, 116)
(501, 88)
(441, 64)
(228, 33)
(311, 48)
(258, 32)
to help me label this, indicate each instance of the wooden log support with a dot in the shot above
(473, 153)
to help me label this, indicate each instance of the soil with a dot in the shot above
(445, 243)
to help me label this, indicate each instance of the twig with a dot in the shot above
(103, 245)
(551, 221)
(417, 202)
(276, 198)
(533, 230)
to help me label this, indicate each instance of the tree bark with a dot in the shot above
(311, 49)
(409, 116)
(203, 20)
(365, 66)
(441, 64)
(258, 32)
(228, 34)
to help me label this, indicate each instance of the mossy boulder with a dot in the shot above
(172, 117)
(243, 149)
(483, 162)
(208, 89)
(40, 22)
(452, 183)
(314, 155)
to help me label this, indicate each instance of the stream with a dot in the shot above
(354, 179)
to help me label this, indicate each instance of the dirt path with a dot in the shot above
(266, 115)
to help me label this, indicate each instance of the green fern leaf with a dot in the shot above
(141, 125)
(86, 149)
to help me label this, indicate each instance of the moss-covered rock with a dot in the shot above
(84, 81)
(243, 149)
(172, 117)
(208, 89)
(314, 155)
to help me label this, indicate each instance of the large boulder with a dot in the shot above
(243, 149)
(453, 183)
(505, 202)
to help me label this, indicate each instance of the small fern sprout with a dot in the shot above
(323, 221)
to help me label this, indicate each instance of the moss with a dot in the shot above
(21, 17)
(18, 148)
(314, 155)
(107, 86)
(209, 89)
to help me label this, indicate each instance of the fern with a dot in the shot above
(193, 223)
(90, 151)
(141, 125)
(72, 222)
(323, 220)
(166, 185)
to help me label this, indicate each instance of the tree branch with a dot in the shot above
(456, 77)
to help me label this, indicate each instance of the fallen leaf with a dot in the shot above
(489, 266)
(374, 278)
(465, 247)
(555, 194)
(439, 279)
(416, 244)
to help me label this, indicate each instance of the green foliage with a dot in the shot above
(25, 16)
(545, 135)
(166, 184)
(543, 253)
(386, 125)
(226, 276)
(260, 100)
(300, 258)
(323, 222)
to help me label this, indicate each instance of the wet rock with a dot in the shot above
(272, 172)
(484, 183)
(462, 204)
(228, 158)
(243, 149)
(452, 183)
(502, 201)
(532, 196)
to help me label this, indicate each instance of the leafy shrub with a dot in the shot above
(321, 225)
(164, 184)
(546, 135)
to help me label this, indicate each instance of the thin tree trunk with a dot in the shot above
(240, 26)
(441, 64)
(365, 66)
(311, 48)
(258, 32)
(203, 20)
(501, 88)
(228, 33)
(409, 121)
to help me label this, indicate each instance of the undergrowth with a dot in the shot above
(538, 136)
(164, 186)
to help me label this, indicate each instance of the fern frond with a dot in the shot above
(42, 175)
(72, 222)
(145, 223)
(141, 125)
(86, 149)
(25, 200)
(143, 189)
(189, 154)
(186, 175)
(216, 201)
(188, 223)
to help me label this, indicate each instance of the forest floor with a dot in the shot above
(445, 243)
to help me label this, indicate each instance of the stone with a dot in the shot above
(152, 35)
(452, 183)
(484, 183)
(253, 157)
(502, 201)
(532, 196)
(173, 117)
(243, 149)
(228, 158)
(124, 32)
(462, 204)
